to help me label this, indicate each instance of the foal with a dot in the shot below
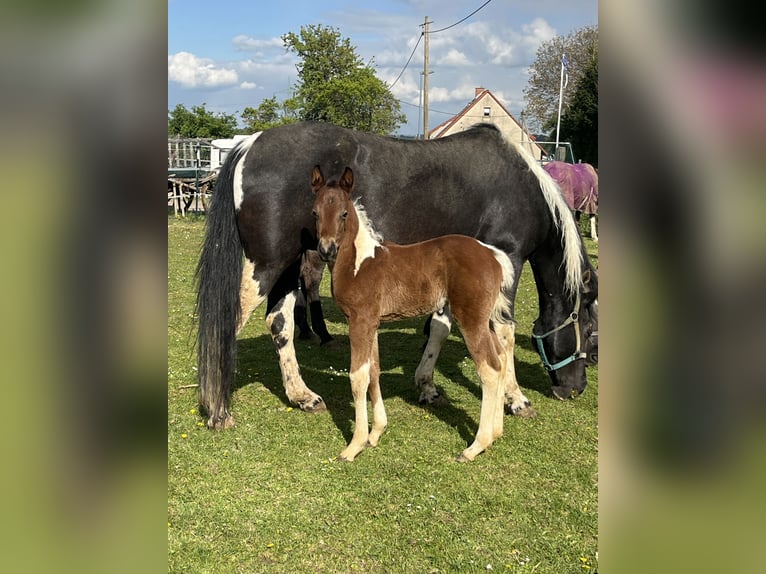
(374, 281)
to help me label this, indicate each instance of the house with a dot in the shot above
(486, 108)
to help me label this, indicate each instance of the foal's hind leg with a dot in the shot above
(483, 346)
(515, 401)
(441, 322)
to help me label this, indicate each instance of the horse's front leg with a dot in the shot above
(281, 321)
(361, 337)
(441, 322)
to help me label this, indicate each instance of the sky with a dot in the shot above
(228, 54)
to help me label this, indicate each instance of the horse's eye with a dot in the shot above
(314, 213)
(344, 215)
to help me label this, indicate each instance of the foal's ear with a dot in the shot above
(317, 179)
(347, 180)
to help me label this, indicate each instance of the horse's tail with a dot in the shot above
(218, 275)
(502, 310)
(562, 219)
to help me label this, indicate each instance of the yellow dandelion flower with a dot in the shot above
(184, 435)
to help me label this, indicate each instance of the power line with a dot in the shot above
(434, 32)
(408, 61)
(460, 21)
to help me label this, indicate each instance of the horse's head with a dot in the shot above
(568, 346)
(331, 208)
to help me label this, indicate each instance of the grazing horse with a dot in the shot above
(474, 183)
(375, 280)
(579, 185)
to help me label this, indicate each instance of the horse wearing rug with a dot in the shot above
(579, 185)
(474, 183)
(375, 280)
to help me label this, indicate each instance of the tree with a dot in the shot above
(267, 115)
(579, 125)
(335, 86)
(542, 92)
(200, 123)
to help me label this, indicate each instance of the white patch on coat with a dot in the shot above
(245, 144)
(367, 239)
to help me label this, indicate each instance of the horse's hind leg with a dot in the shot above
(441, 322)
(281, 321)
(249, 294)
(515, 401)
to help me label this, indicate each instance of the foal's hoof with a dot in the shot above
(462, 458)
(313, 406)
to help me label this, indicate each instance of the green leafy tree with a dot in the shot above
(199, 122)
(335, 86)
(542, 92)
(579, 124)
(268, 114)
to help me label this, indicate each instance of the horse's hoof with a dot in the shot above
(316, 406)
(462, 458)
(221, 423)
(564, 393)
(526, 412)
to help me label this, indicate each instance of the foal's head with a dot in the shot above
(331, 207)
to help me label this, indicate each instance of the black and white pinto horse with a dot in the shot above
(473, 183)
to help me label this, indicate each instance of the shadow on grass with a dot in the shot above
(258, 362)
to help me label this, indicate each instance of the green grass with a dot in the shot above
(268, 496)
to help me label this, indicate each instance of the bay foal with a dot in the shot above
(374, 281)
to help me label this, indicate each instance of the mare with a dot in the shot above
(579, 185)
(473, 183)
(375, 280)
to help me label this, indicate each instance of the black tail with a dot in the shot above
(218, 278)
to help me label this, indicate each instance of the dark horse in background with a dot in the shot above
(579, 185)
(473, 183)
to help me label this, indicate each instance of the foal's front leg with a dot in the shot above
(361, 361)
(379, 418)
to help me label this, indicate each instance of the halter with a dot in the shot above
(578, 353)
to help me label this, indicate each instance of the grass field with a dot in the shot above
(268, 496)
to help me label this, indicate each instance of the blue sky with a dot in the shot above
(228, 54)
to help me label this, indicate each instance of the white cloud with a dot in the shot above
(246, 43)
(453, 58)
(193, 72)
(248, 85)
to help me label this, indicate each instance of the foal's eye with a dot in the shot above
(314, 213)
(344, 215)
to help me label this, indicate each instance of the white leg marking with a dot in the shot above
(297, 391)
(360, 380)
(424, 375)
(249, 294)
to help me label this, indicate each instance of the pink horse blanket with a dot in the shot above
(578, 183)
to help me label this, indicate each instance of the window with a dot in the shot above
(486, 111)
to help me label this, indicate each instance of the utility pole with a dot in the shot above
(425, 79)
